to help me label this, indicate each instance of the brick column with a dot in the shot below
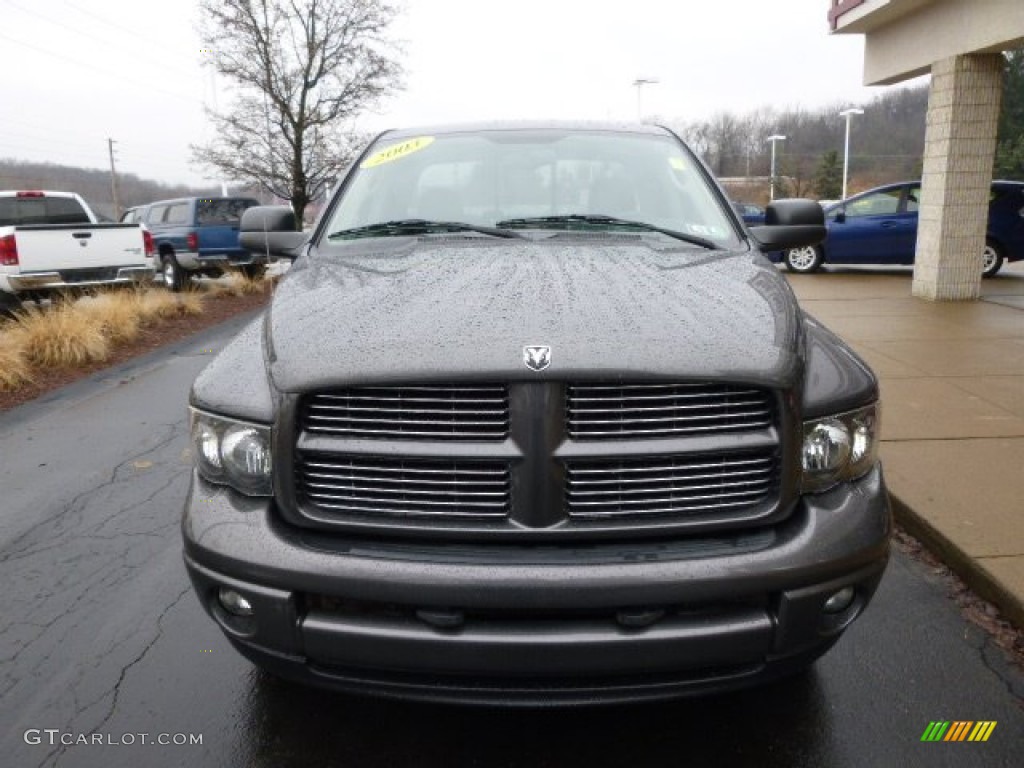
(960, 145)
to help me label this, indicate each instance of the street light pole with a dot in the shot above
(639, 83)
(771, 181)
(848, 113)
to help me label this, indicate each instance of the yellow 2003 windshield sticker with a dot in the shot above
(397, 151)
(678, 163)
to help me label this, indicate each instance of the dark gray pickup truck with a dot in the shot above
(532, 420)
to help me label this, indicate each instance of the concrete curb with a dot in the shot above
(966, 567)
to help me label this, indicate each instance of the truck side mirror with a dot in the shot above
(270, 229)
(792, 223)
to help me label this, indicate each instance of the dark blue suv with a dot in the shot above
(199, 235)
(879, 226)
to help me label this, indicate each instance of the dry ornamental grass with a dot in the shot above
(74, 333)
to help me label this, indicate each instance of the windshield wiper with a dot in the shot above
(561, 222)
(417, 227)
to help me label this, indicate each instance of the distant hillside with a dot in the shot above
(94, 184)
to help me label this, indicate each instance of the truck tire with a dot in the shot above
(804, 260)
(993, 258)
(174, 276)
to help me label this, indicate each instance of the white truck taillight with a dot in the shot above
(8, 251)
(147, 241)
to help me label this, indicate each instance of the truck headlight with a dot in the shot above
(234, 453)
(840, 447)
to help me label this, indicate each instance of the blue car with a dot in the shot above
(880, 227)
(752, 215)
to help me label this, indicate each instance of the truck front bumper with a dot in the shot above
(538, 625)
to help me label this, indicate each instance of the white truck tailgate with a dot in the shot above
(53, 247)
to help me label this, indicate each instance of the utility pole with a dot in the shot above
(113, 181)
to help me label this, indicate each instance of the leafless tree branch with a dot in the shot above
(302, 71)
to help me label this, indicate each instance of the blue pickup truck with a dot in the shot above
(199, 235)
(879, 226)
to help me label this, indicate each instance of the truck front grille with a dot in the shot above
(540, 460)
(667, 485)
(655, 410)
(429, 412)
(395, 487)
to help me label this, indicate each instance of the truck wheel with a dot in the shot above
(993, 259)
(254, 271)
(174, 278)
(804, 260)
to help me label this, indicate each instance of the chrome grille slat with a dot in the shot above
(397, 502)
(428, 411)
(656, 480)
(399, 492)
(400, 467)
(395, 487)
(684, 510)
(663, 419)
(381, 420)
(659, 408)
(758, 484)
(669, 431)
(313, 478)
(667, 499)
(697, 463)
(603, 411)
(681, 486)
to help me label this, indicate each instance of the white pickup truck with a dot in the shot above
(52, 241)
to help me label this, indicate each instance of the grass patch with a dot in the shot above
(15, 369)
(70, 333)
(62, 335)
(116, 312)
(234, 284)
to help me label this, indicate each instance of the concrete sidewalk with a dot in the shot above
(952, 378)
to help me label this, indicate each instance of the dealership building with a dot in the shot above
(960, 42)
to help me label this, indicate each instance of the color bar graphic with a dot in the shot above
(958, 730)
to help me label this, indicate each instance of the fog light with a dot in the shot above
(840, 601)
(234, 603)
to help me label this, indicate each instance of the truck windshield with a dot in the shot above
(499, 178)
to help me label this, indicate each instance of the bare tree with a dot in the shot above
(304, 69)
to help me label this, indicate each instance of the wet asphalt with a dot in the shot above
(104, 649)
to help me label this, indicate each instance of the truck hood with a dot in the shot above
(450, 308)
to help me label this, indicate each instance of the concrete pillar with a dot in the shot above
(960, 145)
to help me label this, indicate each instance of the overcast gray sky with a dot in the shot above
(76, 72)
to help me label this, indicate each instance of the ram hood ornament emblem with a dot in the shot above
(537, 356)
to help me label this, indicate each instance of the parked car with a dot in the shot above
(195, 235)
(880, 227)
(751, 214)
(52, 242)
(531, 420)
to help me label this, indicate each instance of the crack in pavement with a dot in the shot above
(72, 506)
(57, 753)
